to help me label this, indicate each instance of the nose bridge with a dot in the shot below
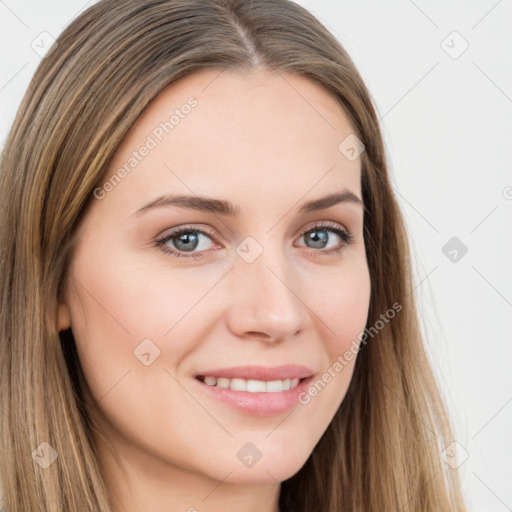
(265, 298)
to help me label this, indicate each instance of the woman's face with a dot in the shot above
(267, 283)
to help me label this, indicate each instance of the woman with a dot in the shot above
(207, 297)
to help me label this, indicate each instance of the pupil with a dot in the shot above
(318, 236)
(189, 239)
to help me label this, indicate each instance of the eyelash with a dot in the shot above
(345, 235)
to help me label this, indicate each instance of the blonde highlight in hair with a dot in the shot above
(382, 448)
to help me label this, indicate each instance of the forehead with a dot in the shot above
(261, 135)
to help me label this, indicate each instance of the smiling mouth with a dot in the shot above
(250, 385)
(264, 396)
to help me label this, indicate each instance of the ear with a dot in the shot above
(64, 317)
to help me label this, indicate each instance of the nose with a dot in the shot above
(266, 302)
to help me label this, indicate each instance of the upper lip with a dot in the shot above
(266, 373)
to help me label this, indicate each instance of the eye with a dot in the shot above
(185, 240)
(321, 236)
(191, 242)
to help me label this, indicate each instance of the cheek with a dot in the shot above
(341, 306)
(352, 313)
(118, 304)
(122, 298)
(113, 310)
(129, 295)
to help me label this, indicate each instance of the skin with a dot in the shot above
(268, 143)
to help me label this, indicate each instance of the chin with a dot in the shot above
(275, 465)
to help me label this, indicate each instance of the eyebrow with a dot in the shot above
(223, 207)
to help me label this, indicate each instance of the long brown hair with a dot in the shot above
(382, 450)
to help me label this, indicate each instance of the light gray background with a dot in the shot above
(447, 123)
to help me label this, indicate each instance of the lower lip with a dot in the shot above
(258, 404)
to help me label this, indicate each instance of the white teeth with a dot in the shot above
(222, 383)
(238, 384)
(256, 386)
(211, 381)
(252, 385)
(274, 386)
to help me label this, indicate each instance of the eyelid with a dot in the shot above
(187, 227)
(321, 224)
